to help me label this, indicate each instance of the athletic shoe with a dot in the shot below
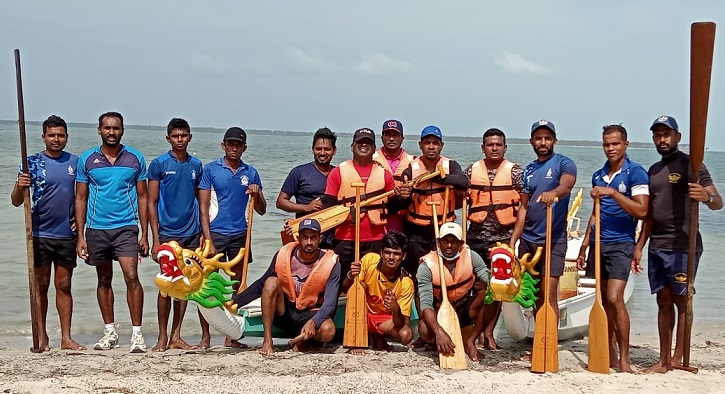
(108, 341)
(137, 343)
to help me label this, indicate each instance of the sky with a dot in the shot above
(464, 66)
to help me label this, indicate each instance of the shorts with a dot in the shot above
(463, 309)
(616, 260)
(375, 320)
(191, 242)
(105, 246)
(230, 244)
(345, 251)
(293, 319)
(669, 268)
(47, 251)
(483, 248)
(558, 255)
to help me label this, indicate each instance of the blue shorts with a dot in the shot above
(616, 259)
(229, 245)
(669, 268)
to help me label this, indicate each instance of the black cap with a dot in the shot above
(361, 134)
(235, 134)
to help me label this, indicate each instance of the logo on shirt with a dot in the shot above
(548, 174)
(193, 174)
(244, 180)
(71, 172)
(170, 173)
(622, 187)
(674, 177)
(96, 161)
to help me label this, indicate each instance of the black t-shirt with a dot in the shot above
(670, 203)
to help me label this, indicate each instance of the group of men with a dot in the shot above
(397, 240)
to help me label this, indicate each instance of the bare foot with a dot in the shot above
(44, 344)
(266, 349)
(181, 344)
(525, 357)
(626, 368)
(379, 343)
(658, 368)
(205, 343)
(235, 344)
(490, 344)
(418, 343)
(69, 344)
(357, 351)
(472, 351)
(161, 344)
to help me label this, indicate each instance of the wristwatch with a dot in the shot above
(710, 197)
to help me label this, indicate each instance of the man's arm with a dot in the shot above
(204, 202)
(566, 183)
(153, 213)
(581, 259)
(520, 221)
(16, 196)
(330, 298)
(479, 268)
(457, 178)
(142, 191)
(81, 205)
(284, 202)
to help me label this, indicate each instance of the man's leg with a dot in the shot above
(42, 278)
(64, 304)
(134, 290)
(481, 316)
(176, 341)
(620, 317)
(681, 303)
(272, 305)
(163, 309)
(326, 331)
(403, 334)
(665, 325)
(205, 342)
(104, 291)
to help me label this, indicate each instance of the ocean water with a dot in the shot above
(274, 154)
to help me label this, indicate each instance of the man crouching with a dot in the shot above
(299, 291)
(388, 292)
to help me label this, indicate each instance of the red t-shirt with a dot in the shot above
(368, 231)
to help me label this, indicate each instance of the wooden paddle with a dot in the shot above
(702, 45)
(545, 351)
(446, 201)
(336, 215)
(247, 245)
(356, 316)
(598, 325)
(447, 317)
(32, 282)
(464, 221)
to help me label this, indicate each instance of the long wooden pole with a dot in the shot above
(247, 244)
(32, 282)
(702, 47)
(598, 326)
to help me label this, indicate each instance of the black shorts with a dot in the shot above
(463, 309)
(483, 248)
(47, 251)
(345, 251)
(558, 255)
(107, 245)
(293, 319)
(230, 244)
(190, 242)
(616, 260)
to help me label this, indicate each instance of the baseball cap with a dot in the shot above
(543, 123)
(393, 124)
(361, 134)
(431, 130)
(235, 134)
(453, 229)
(665, 121)
(310, 224)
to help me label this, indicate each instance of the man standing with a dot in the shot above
(52, 178)
(306, 182)
(174, 215)
(395, 159)
(110, 204)
(672, 189)
(298, 291)
(622, 187)
(548, 178)
(463, 267)
(234, 182)
(494, 192)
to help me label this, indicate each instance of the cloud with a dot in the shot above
(513, 63)
(379, 63)
(208, 66)
(306, 60)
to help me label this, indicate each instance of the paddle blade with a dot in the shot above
(598, 339)
(702, 45)
(356, 324)
(328, 218)
(448, 320)
(545, 351)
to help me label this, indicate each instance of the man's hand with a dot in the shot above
(390, 301)
(600, 191)
(212, 249)
(547, 198)
(637, 262)
(253, 190)
(355, 269)
(314, 205)
(403, 190)
(82, 248)
(308, 330)
(581, 260)
(697, 192)
(155, 250)
(23, 180)
(444, 343)
(143, 245)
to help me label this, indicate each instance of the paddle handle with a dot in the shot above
(464, 220)
(597, 249)
(357, 186)
(444, 290)
(247, 243)
(547, 252)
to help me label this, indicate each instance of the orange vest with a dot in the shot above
(419, 212)
(499, 197)
(457, 285)
(373, 187)
(405, 160)
(311, 294)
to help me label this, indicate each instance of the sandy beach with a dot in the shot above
(332, 370)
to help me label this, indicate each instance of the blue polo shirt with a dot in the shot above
(540, 177)
(305, 182)
(617, 224)
(112, 197)
(231, 192)
(178, 206)
(52, 184)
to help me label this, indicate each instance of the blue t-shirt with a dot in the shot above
(231, 194)
(617, 224)
(305, 182)
(178, 207)
(540, 177)
(112, 196)
(52, 183)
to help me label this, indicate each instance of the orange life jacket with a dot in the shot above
(419, 212)
(375, 186)
(405, 160)
(499, 197)
(457, 285)
(311, 294)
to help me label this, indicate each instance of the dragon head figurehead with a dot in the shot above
(191, 275)
(511, 279)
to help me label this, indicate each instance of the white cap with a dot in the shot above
(451, 228)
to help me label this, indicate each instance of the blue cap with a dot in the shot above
(665, 121)
(431, 130)
(393, 124)
(310, 224)
(543, 123)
